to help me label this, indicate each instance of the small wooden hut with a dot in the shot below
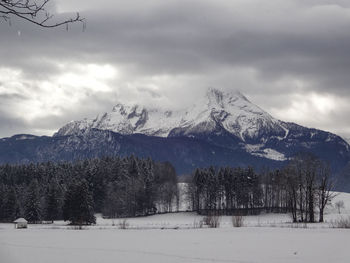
(20, 223)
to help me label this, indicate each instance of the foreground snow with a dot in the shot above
(173, 238)
(195, 245)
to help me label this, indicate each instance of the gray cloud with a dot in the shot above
(271, 52)
(10, 126)
(11, 96)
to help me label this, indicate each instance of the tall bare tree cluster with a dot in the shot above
(309, 186)
(302, 188)
(225, 190)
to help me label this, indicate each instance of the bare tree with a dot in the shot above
(325, 185)
(33, 11)
(310, 172)
(309, 185)
(292, 189)
(237, 220)
(339, 205)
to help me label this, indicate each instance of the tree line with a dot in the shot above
(302, 188)
(74, 191)
(130, 186)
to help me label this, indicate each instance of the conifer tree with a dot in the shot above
(32, 205)
(52, 204)
(11, 209)
(2, 201)
(78, 205)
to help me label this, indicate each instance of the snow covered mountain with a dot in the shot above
(230, 111)
(215, 116)
(216, 113)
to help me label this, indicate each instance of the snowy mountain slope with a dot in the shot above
(347, 140)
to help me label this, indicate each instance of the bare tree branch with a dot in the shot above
(35, 12)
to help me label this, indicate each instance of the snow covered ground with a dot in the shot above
(255, 244)
(174, 238)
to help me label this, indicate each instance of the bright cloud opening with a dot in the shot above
(53, 96)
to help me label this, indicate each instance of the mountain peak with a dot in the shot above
(217, 97)
(219, 94)
(215, 94)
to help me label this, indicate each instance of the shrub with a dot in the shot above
(237, 221)
(299, 225)
(123, 224)
(197, 224)
(212, 221)
(77, 227)
(341, 223)
(339, 205)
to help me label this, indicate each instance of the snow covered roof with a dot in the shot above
(20, 220)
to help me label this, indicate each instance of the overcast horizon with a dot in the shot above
(291, 58)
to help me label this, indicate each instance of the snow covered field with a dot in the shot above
(254, 244)
(173, 238)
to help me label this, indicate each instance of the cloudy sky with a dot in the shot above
(290, 57)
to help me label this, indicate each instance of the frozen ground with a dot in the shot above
(173, 238)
